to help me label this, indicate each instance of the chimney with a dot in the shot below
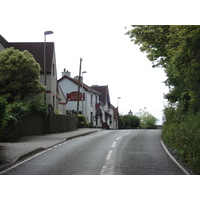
(66, 73)
(77, 78)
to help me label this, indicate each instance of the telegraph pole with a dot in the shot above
(79, 82)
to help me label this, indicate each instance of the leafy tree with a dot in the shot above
(19, 75)
(129, 122)
(177, 50)
(148, 121)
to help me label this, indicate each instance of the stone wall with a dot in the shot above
(34, 124)
(60, 123)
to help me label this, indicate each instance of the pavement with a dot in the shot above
(12, 152)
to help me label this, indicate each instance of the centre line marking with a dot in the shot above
(102, 170)
(113, 145)
(118, 138)
(109, 154)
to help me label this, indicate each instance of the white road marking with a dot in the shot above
(109, 154)
(185, 171)
(118, 138)
(25, 161)
(113, 145)
(102, 170)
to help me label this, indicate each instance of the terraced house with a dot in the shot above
(94, 101)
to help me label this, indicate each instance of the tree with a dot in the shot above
(177, 50)
(130, 122)
(19, 75)
(148, 121)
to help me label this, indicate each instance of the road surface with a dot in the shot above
(108, 152)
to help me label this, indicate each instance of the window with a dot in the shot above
(91, 100)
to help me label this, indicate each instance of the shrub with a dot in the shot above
(81, 121)
(129, 122)
(37, 107)
(13, 115)
(3, 104)
(183, 136)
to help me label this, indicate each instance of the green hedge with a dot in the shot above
(183, 136)
(82, 121)
(12, 114)
(3, 104)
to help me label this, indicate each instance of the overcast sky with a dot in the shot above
(94, 32)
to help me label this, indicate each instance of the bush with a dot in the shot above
(81, 121)
(3, 104)
(148, 121)
(129, 122)
(37, 107)
(13, 115)
(183, 136)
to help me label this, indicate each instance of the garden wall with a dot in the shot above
(34, 124)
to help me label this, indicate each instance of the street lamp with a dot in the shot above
(45, 82)
(118, 112)
(82, 89)
(118, 101)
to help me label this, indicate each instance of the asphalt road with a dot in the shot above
(109, 152)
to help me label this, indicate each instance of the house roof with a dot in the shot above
(86, 87)
(104, 97)
(3, 41)
(36, 49)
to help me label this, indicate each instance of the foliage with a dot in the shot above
(177, 50)
(81, 121)
(19, 75)
(148, 121)
(3, 104)
(15, 112)
(37, 107)
(90, 125)
(183, 135)
(129, 122)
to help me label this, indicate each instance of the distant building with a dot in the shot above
(130, 113)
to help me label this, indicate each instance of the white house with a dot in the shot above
(88, 98)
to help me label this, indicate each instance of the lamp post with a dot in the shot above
(45, 80)
(82, 89)
(118, 112)
(118, 102)
(79, 81)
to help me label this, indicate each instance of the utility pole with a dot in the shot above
(79, 82)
